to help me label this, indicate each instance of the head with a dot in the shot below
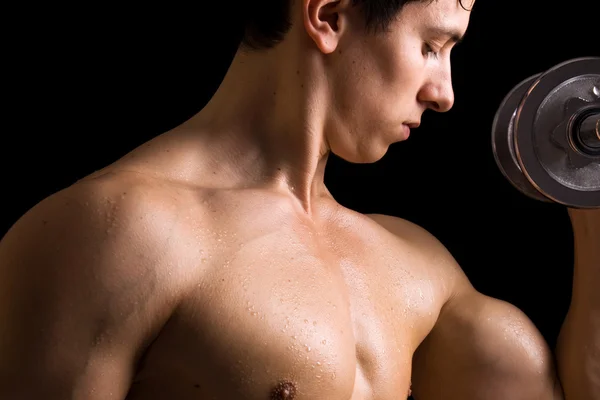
(384, 61)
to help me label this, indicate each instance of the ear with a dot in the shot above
(325, 21)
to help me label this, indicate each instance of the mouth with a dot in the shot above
(408, 126)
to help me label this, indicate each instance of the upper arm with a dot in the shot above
(479, 347)
(78, 297)
(484, 348)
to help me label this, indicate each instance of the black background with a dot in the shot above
(83, 86)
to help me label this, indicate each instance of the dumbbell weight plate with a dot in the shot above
(543, 108)
(503, 140)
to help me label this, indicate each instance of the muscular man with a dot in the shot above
(213, 263)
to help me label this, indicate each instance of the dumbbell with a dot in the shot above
(546, 134)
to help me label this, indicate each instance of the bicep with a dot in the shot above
(480, 347)
(70, 325)
(50, 338)
(483, 348)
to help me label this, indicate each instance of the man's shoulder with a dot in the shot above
(426, 248)
(104, 215)
(412, 234)
(403, 228)
(93, 264)
(116, 201)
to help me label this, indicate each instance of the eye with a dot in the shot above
(429, 51)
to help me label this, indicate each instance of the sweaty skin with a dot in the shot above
(235, 293)
(213, 263)
(149, 287)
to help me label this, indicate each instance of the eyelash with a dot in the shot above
(427, 49)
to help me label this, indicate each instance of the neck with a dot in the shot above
(268, 118)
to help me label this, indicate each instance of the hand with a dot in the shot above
(586, 217)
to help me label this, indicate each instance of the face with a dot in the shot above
(382, 83)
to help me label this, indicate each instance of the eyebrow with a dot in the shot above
(454, 35)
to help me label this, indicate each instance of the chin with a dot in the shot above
(369, 155)
(367, 148)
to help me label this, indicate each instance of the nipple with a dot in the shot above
(284, 391)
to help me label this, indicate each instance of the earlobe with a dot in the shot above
(324, 21)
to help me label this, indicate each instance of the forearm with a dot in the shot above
(578, 350)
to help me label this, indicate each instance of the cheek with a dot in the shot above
(406, 72)
(396, 75)
(395, 62)
(375, 85)
(363, 78)
(354, 85)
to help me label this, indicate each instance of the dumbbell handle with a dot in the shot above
(589, 131)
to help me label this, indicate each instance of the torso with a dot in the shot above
(276, 305)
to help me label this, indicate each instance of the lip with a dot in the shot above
(406, 131)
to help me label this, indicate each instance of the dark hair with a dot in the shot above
(268, 21)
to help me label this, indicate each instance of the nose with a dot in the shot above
(437, 94)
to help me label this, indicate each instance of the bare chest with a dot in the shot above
(291, 317)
